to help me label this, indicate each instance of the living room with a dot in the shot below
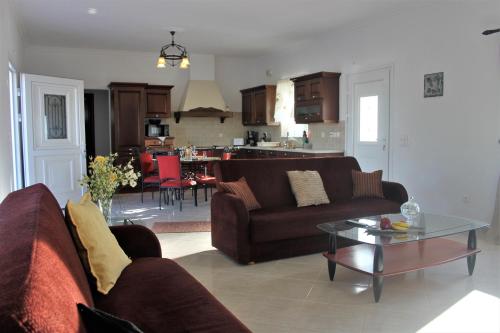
(444, 150)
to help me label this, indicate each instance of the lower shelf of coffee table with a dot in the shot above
(401, 258)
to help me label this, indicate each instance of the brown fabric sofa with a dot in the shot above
(280, 229)
(42, 279)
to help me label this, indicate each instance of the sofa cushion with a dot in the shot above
(41, 277)
(307, 187)
(367, 184)
(288, 222)
(106, 259)
(269, 182)
(160, 296)
(241, 189)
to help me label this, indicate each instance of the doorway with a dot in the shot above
(97, 102)
(16, 130)
(89, 127)
(369, 115)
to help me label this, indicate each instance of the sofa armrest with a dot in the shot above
(230, 226)
(137, 241)
(395, 192)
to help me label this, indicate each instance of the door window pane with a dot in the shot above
(55, 117)
(368, 119)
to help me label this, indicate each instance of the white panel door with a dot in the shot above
(54, 134)
(370, 120)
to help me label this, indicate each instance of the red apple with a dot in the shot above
(385, 223)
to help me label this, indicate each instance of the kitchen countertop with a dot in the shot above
(295, 150)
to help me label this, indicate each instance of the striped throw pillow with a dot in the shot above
(241, 189)
(367, 184)
(307, 187)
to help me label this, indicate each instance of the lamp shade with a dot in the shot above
(161, 62)
(184, 62)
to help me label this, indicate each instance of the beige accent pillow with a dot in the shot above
(367, 184)
(307, 186)
(241, 189)
(106, 258)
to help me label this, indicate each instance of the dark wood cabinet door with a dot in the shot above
(315, 89)
(158, 103)
(260, 107)
(301, 91)
(128, 119)
(247, 108)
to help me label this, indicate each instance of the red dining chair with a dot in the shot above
(206, 179)
(169, 168)
(149, 176)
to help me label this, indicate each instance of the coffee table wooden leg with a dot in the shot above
(471, 245)
(332, 249)
(378, 267)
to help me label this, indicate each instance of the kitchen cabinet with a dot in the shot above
(246, 153)
(317, 98)
(158, 101)
(128, 105)
(258, 105)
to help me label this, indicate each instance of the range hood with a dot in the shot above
(202, 97)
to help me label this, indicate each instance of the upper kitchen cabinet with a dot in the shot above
(128, 107)
(258, 105)
(158, 101)
(317, 98)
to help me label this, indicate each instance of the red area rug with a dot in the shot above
(182, 226)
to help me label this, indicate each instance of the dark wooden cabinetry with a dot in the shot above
(128, 105)
(158, 101)
(258, 105)
(317, 98)
(245, 153)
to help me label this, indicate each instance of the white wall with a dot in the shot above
(10, 50)
(97, 68)
(453, 140)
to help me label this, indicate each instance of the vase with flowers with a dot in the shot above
(104, 178)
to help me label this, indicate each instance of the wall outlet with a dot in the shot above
(334, 134)
(322, 134)
(466, 199)
(221, 135)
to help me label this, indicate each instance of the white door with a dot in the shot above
(370, 120)
(54, 134)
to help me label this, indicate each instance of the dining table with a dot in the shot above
(191, 165)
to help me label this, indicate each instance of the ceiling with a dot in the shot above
(221, 27)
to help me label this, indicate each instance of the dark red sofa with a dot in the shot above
(42, 279)
(280, 229)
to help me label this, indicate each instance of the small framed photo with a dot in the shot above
(433, 84)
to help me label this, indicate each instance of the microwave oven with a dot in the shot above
(153, 130)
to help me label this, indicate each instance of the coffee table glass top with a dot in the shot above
(427, 226)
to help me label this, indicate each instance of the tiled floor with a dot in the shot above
(295, 295)
(130, 206)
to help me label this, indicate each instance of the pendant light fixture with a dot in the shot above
(177, 56)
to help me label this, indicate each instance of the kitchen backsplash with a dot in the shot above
(206, 131)
(209, 131)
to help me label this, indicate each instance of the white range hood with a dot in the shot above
(202, 97)
(202, 94)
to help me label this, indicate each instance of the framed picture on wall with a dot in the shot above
(433, 84)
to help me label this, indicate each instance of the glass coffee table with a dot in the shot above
(387, 253)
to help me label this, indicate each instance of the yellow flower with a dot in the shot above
(100, 159)
(112, 177)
